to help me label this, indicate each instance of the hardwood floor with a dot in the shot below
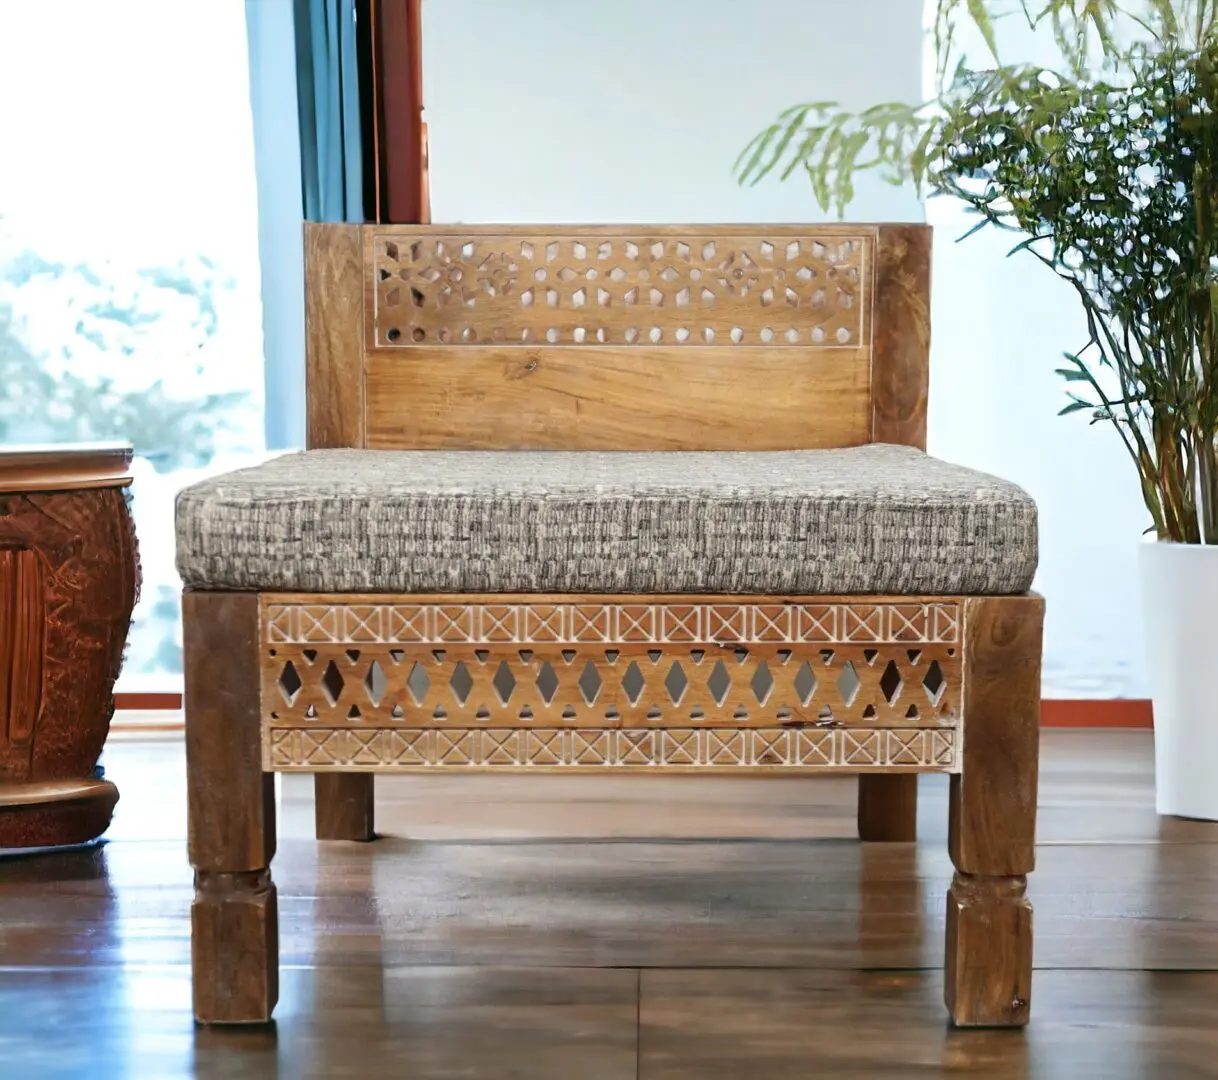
(622, 927)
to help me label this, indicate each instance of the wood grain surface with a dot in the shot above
(888, 808)
(334, 336)
(597, 398)
(617, 337)
(69, 467)
(69, 573)
(231, 837)
(625, 928)
(344, 806)
(992, 819)
(901, 359)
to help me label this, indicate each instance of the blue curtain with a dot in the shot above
(328, 96)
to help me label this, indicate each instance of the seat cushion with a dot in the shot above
(871, 519)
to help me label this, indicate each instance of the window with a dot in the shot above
(129, 276)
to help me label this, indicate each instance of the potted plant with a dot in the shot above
(1107, 167)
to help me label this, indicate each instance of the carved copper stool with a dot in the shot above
(69, 572)
(432, 599)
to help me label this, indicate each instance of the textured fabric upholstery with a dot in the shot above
(871, 519)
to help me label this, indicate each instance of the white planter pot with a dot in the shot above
(1180, 605)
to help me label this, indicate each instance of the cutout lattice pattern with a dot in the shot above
(758, 685)
(518, 288)
(829, 665)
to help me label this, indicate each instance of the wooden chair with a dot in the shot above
(324, 634)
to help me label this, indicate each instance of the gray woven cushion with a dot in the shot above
(873, 519)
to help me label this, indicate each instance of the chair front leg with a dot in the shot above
(992, 829)
(234, 917)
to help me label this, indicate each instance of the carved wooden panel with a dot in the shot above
(22, 645)
(781, 287)
(673, 749)
(87, 575)
(773, 337)
(504, 665)
(446, 620)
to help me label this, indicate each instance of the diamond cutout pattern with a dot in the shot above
(848, 684)
(547, 682)
(719, 683)
(633, 683)
(676, 683)
(763, 683)
(332, 683)
(289, 683)
(461, 682)
(890, 682)
(708, 665)
(504, 682)
(934, 683)
(805, 683)
(418, 683)
(751, 685)
(590, 683)
(375, 682)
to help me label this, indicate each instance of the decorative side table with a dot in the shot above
(69, 573)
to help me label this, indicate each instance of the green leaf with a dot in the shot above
(1024, 245)
(981, 17)
(829, 160)
(852, 147)
(806, 148)
(1073, 375)
(1076, 405)
(975, 229)
(754, 150)
(794, 123)
(1165, 10)
(920, 159)
(820, 184)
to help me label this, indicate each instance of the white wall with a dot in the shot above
(634, 110)
(1000, 328)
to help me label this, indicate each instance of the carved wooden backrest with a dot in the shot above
(616, 337)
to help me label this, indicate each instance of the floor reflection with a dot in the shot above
(663, 930)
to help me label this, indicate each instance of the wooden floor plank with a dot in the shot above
(331, 1021)
(828, 1025)
(830, 904)
(506, 925)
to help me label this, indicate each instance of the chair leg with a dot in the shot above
(231, 804)
(343, 806)
(888, 807)
(992, 828)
